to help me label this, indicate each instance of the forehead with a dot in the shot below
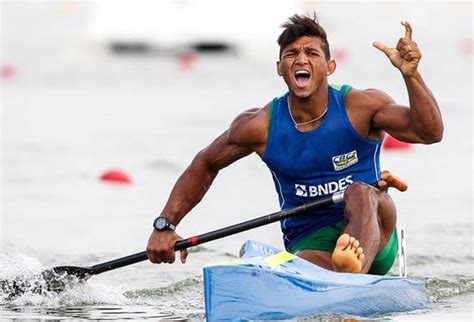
(305, 42)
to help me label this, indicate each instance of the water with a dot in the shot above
(73, 110)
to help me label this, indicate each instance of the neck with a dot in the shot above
(307, 108)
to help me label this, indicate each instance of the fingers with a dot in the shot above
(408, 29)
(169, 256)
(159, 255)
(382, 47)
(153, 255)
(407, 40)
(404, 50)
(160, 248)
(412, 56)
(406, 45)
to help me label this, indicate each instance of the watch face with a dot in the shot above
(160, 223)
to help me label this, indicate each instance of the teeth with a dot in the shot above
(302, 73)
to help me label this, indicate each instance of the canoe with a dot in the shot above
(269, 284)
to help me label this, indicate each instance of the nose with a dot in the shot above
(301, 58)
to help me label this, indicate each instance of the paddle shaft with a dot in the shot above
(224, 232)
(389, 179)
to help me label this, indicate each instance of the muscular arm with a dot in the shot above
(421, 122)
(197, 178)
(246, 134)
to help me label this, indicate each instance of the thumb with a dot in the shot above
(183, 254)
(381, 46)
(382, 184)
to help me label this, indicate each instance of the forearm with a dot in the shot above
(188, 191)
(425, 114)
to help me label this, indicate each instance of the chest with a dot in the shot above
(332, 147)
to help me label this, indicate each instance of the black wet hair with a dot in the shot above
(298, 26)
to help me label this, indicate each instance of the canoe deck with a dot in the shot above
(267, 283)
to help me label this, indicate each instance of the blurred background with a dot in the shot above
(97, 91)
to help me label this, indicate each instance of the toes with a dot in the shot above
(361, 257)
(343, 241)
(359, 250)
(349, 246)
(355, 244)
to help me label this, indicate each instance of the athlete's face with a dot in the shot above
(303, 66)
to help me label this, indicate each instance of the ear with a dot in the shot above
(331, 67)
(278, 68)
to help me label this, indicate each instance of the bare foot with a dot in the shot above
(347, 256)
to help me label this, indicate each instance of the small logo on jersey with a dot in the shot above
(301, 190)
(343, 161)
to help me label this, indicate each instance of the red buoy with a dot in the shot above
(7, 71)
(468, 46)
(116, 176)
(187, 61)
(341, 55)
(390, 143)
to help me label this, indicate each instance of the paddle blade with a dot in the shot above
(55, 279)
(82, 273)
(58, 278)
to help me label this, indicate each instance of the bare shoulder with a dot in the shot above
(249, 128)
(370, 100)
(362, 106)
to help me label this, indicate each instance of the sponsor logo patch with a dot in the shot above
(343, 161)
(302, 190)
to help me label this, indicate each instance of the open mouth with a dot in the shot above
(302, 77)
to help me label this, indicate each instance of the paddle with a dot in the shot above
(57, 278)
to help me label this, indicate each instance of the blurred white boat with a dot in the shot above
(198, 24)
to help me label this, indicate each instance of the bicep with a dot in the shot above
(222, 152)
(392, 117)
(243, 137)
(389, 116)
(396, 120)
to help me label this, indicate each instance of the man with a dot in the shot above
(317, 139)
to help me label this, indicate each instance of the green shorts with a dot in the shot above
(325, 238)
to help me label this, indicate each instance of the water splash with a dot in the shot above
(23, 283)
(13, 265)
(181, 299)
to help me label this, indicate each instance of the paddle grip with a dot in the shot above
(393, 181)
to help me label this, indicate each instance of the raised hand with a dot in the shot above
(406, 55)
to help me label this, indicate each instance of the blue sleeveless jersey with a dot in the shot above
(309, 165)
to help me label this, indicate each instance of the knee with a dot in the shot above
(362, 199)
(359, 191)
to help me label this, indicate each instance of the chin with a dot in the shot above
(300, 93)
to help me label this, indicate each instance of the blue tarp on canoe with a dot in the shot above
(267, 283)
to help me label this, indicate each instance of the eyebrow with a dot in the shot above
(306, 48)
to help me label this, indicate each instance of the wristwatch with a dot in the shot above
(162, 224)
